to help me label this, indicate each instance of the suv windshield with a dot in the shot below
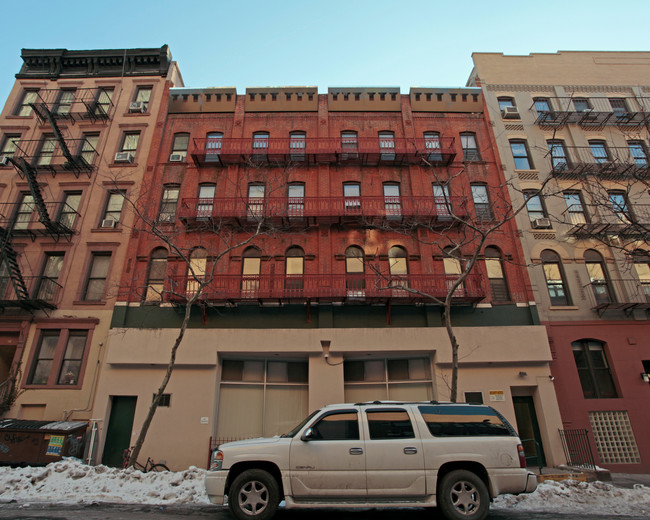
(299, 427)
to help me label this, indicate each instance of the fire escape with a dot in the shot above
(31, 159)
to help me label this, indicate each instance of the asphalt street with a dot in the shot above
(40, 511)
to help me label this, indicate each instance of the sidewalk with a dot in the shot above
(622, 480)
(629, 480)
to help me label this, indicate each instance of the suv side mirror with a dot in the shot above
(308, 435)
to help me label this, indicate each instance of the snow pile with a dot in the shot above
(71, 481)
(570, 496)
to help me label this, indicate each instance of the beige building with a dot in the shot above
(576, 125)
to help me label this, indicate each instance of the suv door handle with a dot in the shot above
(410, 450)
(356, 451)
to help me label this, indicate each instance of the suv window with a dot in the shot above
(389, 424)
(337, 427)
(462, 421)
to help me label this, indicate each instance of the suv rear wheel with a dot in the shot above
(254, 495)
(462, 495)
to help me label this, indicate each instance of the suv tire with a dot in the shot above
(462, 495)
(254, 495)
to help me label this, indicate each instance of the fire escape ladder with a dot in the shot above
(9, 258)
(35, 190)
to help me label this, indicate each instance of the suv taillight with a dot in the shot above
(522, 456)
(217, 460)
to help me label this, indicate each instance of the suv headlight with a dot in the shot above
(216, 461)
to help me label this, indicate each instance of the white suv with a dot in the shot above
(391, 454)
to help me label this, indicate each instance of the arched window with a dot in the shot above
(206, 201)
(296, 202)
(256, 192)
(294, 270)
(496, 274)
(297, 145)
(397, 261)
(156, 276)
(355, 281)
(598, 277)
(593, 369)
(179, 146)
(642, 267)
(250, 272)
(387, 145)
(453, 269)
(392, 201)
(196, 270)
(213, 144)
(442, 200)
(555, 281)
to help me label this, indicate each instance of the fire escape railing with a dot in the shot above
(622, 294)
(326, 150)
(609, 220)
(73, 105)
(32, 224)
(604, 161)
(49, 156)
(37, 292)
(596, 112)
(319, 288)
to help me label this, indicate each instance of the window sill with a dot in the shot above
(52, 387)
(136, 114)
(533, 170)
(93, 303)
(123, 165)
(106, 230)
(563, 308)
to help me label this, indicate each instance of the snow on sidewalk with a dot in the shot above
(71, 481)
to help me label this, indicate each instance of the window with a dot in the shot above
(179, 146)
(260, 140)
(554, 274)
(169, 202)
(399, 379)
(505, 102)
(68, 214)
(256, 201)
(642, 268)
(23, 215)
(165, 400)
(64, 102)
(618, 201)
(213, 144)
(575, 207)
(336, 426)
(156, 277)
(599, 151)
(432, 146)
(196, 271)
(104, 102)
(593, 369)
(534, 205)
(470, 148)
(443, 421)
(355, 281)
(638, 152)
(618, 106)
(474, 397)
(542, 105)
(205, 203)
(296, 202)
(349, 145)
(496, 276)
(24, 108)
(558, 154)
(397, 262)
(442, 201)
(520, 155)
(481, 202)
(48, 281)
(389, 424)
(392, 201)
(352, 197)
(130, 142)
(387, 146)
(113, 211)
(9, 145)
(88, 149)
(143, 95)
(294, 269)
(46, 151)
(581, 104)
(453, 268)
(251, 264)
(297, 144)
(97, 275)
(58, 358)
(598, 277)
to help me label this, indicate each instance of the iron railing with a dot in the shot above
(43, 293)
(615, 161)
(628, 220)
(618, 294)
(74, 104)
(577, 448)
(47, 156)
(63, 216)
(600, 112)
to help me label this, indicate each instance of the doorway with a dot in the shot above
(528, 429)
(118, 432)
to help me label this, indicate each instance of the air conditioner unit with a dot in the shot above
(541, 223)
(510, 113)
(138, 106)
(124, 157)
(4, 160)
(166, 217)
(108, 223)
(177, 157)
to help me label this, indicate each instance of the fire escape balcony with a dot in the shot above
(609, 221)
(16, 221)
(606, 162)
(82, 104)
(621, 294)
(299, 211)
(42, 293)
(48, 156)
(326, 150)
(594, 111)
(280, 288)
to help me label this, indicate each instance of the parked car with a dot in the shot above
(381, 454)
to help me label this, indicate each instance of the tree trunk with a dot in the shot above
(454, 353)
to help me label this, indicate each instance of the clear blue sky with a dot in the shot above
(323, 43)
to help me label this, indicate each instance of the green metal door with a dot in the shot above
(118, 432)
(528, 429)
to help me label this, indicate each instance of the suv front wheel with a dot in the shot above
(462, 495)
(254, 495)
